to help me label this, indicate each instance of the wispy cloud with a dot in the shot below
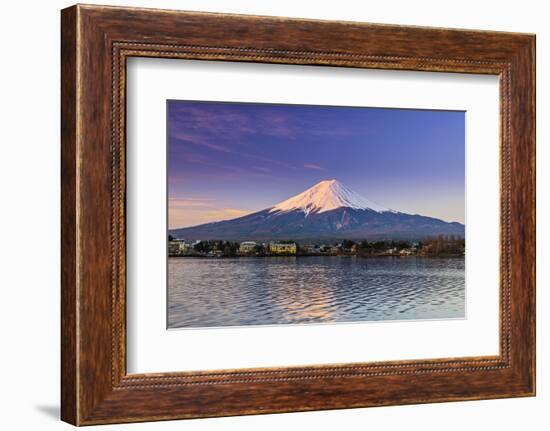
(191, 212)
(267, 160)
(216, 168)
(204, 142)
(228, 213)
(314, 166)
(216, 119)
(186, 203)
(238, 129)
(191, 138)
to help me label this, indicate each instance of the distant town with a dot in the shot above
(444, 246)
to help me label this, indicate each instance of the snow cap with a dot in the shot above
(325, 196)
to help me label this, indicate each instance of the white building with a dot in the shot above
(177, 247)
(247, 247)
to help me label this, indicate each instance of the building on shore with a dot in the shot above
(310, 249)
(247, 247)
(177, 247)
(335, 249)
(284, 248)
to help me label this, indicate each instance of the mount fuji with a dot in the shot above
(328, 210)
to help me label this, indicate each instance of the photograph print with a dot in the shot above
(285, 214)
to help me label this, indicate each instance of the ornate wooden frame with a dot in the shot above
(95, 42)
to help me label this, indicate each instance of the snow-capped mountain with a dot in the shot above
(328, 210)
(326, 196)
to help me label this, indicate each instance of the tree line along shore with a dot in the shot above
(439, 246)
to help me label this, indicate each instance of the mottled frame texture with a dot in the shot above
(95, 43)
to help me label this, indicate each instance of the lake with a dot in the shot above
(205, 292)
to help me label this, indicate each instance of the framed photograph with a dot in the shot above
(266, 215)
(237, 257)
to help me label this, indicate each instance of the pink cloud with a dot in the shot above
(187, 203)
(184, 216)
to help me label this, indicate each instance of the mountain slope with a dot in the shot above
(326, 196)
(328, 210)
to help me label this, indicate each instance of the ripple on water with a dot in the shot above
(324, 289)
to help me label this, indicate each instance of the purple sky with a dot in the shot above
(229, 159)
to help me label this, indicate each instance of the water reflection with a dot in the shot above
(324, 289)
(291, 295)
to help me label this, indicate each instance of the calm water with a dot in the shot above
(290, 290)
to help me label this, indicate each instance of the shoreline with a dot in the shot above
(440, 256)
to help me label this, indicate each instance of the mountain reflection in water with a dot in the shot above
(321, 289)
